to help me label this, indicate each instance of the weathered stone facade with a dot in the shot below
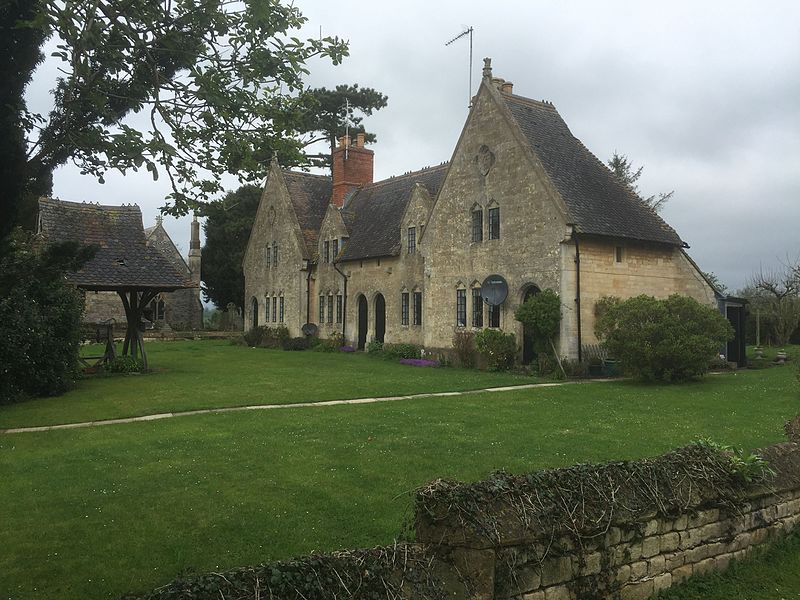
(179, 310)
(521, 198)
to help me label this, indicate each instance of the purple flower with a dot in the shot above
(347, 349)
(419, 362)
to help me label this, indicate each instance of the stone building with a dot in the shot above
(179, 310)
(404, 259)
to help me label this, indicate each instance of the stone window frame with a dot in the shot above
(495, 311)
(477, 313)
(619, 253)
(281, 307)
(416, 306)
(268, 255)
(493, 220)
(339, 308)
(266, 308)
(405, 302)
(321, 308)
(275, 254)
(274, 308)
(330, 308)
(476, 224)
(254, 312)
(411, 237)
(461, 305)
(326, 251)
(334, 249)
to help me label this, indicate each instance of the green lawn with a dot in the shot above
(100, 511)
(214, 374)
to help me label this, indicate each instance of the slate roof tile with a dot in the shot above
(310, 195)
(123, 259)
(597, 201)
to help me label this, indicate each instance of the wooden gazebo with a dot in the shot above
(124, 263)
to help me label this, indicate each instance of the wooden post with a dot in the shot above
(134, 307)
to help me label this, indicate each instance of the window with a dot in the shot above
(281, 313)
(404, 308)
(326, 251)
(266, 309)
(274, 308)
(477, 308)
(321, 309)
(339, 308)
(275, 254)
(494, 315)
(330, 308)
(618, 254)
(335, 251)
(268, 256)
(412, 240)
(461, 308)
(494, 223)
(417, 308)
(477, 225)
(254, 308)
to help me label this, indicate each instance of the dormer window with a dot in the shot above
(412, 240)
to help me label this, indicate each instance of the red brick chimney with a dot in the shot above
(352, 167)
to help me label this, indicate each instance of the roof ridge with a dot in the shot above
(525, 100)
(304, 174)
(84, 204)
(393, 178)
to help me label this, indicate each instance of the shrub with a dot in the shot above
(498, 348)
(395, 351)
(254, 337)
(297, 343)
(662, 340)
(464, 348)
(375, 348)
(330, 344)
(125, 364)
(40, 318)
(541, 316)
(274, 337)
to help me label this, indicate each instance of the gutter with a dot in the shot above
(344, 302)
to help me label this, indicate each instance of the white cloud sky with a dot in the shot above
(705, 95)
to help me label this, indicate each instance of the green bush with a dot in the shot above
(541, 315)
(375, 348)
(498, 348)
(125, 364)
(297, 343)
(464, 348)
(274, 337)
(254, 336)
(40, 318)
(398, 351)
(661, 340)
(330, 344)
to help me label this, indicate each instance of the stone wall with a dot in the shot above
(630, 558)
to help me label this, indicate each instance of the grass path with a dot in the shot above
(97, 512)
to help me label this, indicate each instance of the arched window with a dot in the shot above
(404, 302)
(417, 306)
(477, 304)
(461, 305)
(494, 221)
(266, 310)
(477, 223)
(254, 311)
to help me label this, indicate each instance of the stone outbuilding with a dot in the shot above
(404, 259)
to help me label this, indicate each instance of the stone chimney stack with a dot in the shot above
(194, 252)
(352, 167)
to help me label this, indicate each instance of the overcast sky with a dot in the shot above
(705, 95)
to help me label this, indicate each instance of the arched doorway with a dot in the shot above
(380, 318)
(528, 353)
(362, 321)
(255, 312)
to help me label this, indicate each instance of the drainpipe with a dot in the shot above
(308, 292)
(578, 291)
(344, 303)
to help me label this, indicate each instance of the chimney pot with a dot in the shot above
(360, 140)
(507, 87)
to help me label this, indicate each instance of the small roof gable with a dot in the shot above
(158, 238)
(373, 214)
(123, 260)
(597, 201)
(310, 196)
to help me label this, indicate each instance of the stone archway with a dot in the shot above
(380, 317)
(528, 352)
(363, 321)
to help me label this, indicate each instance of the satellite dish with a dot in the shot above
(310, 329)
(494, 290)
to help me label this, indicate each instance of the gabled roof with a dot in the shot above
(598, 203)
(310, 196)
(123, 260)
(373, 214)
(158, 238)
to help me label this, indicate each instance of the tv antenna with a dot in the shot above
(467, 32)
